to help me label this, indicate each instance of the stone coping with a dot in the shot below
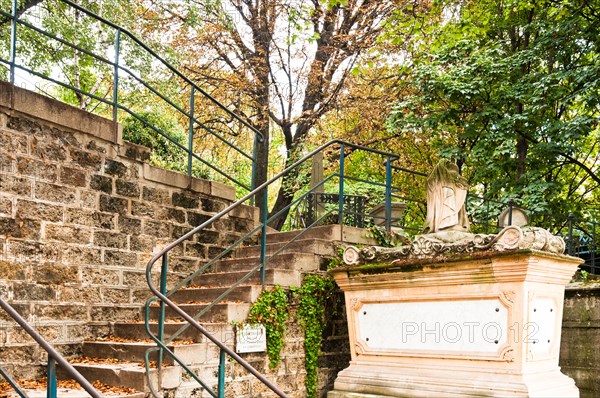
(415, 264)
(40, 107)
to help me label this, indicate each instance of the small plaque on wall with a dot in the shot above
(250, 338)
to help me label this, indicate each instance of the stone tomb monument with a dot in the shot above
(456, 314)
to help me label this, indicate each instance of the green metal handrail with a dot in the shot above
(162, 294)
(54, 358)
(195, 90)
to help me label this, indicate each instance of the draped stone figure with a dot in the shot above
(446, 194)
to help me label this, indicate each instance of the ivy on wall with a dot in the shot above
(271, 310)
(311, 298)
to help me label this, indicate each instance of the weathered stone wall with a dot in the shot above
(580, 344)
(80, 215)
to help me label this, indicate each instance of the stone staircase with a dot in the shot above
(117, 359)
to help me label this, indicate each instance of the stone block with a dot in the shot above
(126, 188)
(39, 211)
(195, 250)
(135, 279)
(17, 355)
(142, 243)
(72, 176)
(195, 219)
(19, 228)
(33, 292)
(129, 225)
(116, 296)
(23, 309)
(187, 201)
(135, 152)
(207, 236)
(170, 214)
(120, 258)
(69, 234)
(114, 205)
(16, 142)
(12, 271)
(212, 205)
(79, 294)
(100, 276)
(15, 185)
(110, 239)
(54, 193)
(156, 195)
(178, 231)
(155, 228)
(85, 159)
(6, 163)
(5, 206)
(101, 183)
(81, 255)
(67, 312)
(24, 125)
(115, 168)
(214, 251)
(115, 313)
(78, 332)
(48, 150)
(88, 199)
(33, 252)
(55, 275)
(37, 169)
(142, 209)
(89, 218)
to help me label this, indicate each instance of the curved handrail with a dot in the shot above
(52, 353)
(163, 296)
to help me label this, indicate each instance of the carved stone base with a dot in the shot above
(377, 381)
(472, 324)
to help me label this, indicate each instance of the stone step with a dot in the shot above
(65, 393)
(246, 293)
(223, 331)
(221, 312)
(344, 234)
(272, 277)
(320, 247)
(69, 388)
(135, 351)
(288, 261)
(129, 374)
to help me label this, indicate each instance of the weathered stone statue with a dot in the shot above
(446, 194)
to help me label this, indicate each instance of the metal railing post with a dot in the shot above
(592, 250)
(263, 236)
(191, 131)
(51, 390)
(13, 41)
(161, 315)
(510, 210)
(116, 75)
(254, 159)
(388, 194)
(341, 186)
(570, 246)
(221, 386)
